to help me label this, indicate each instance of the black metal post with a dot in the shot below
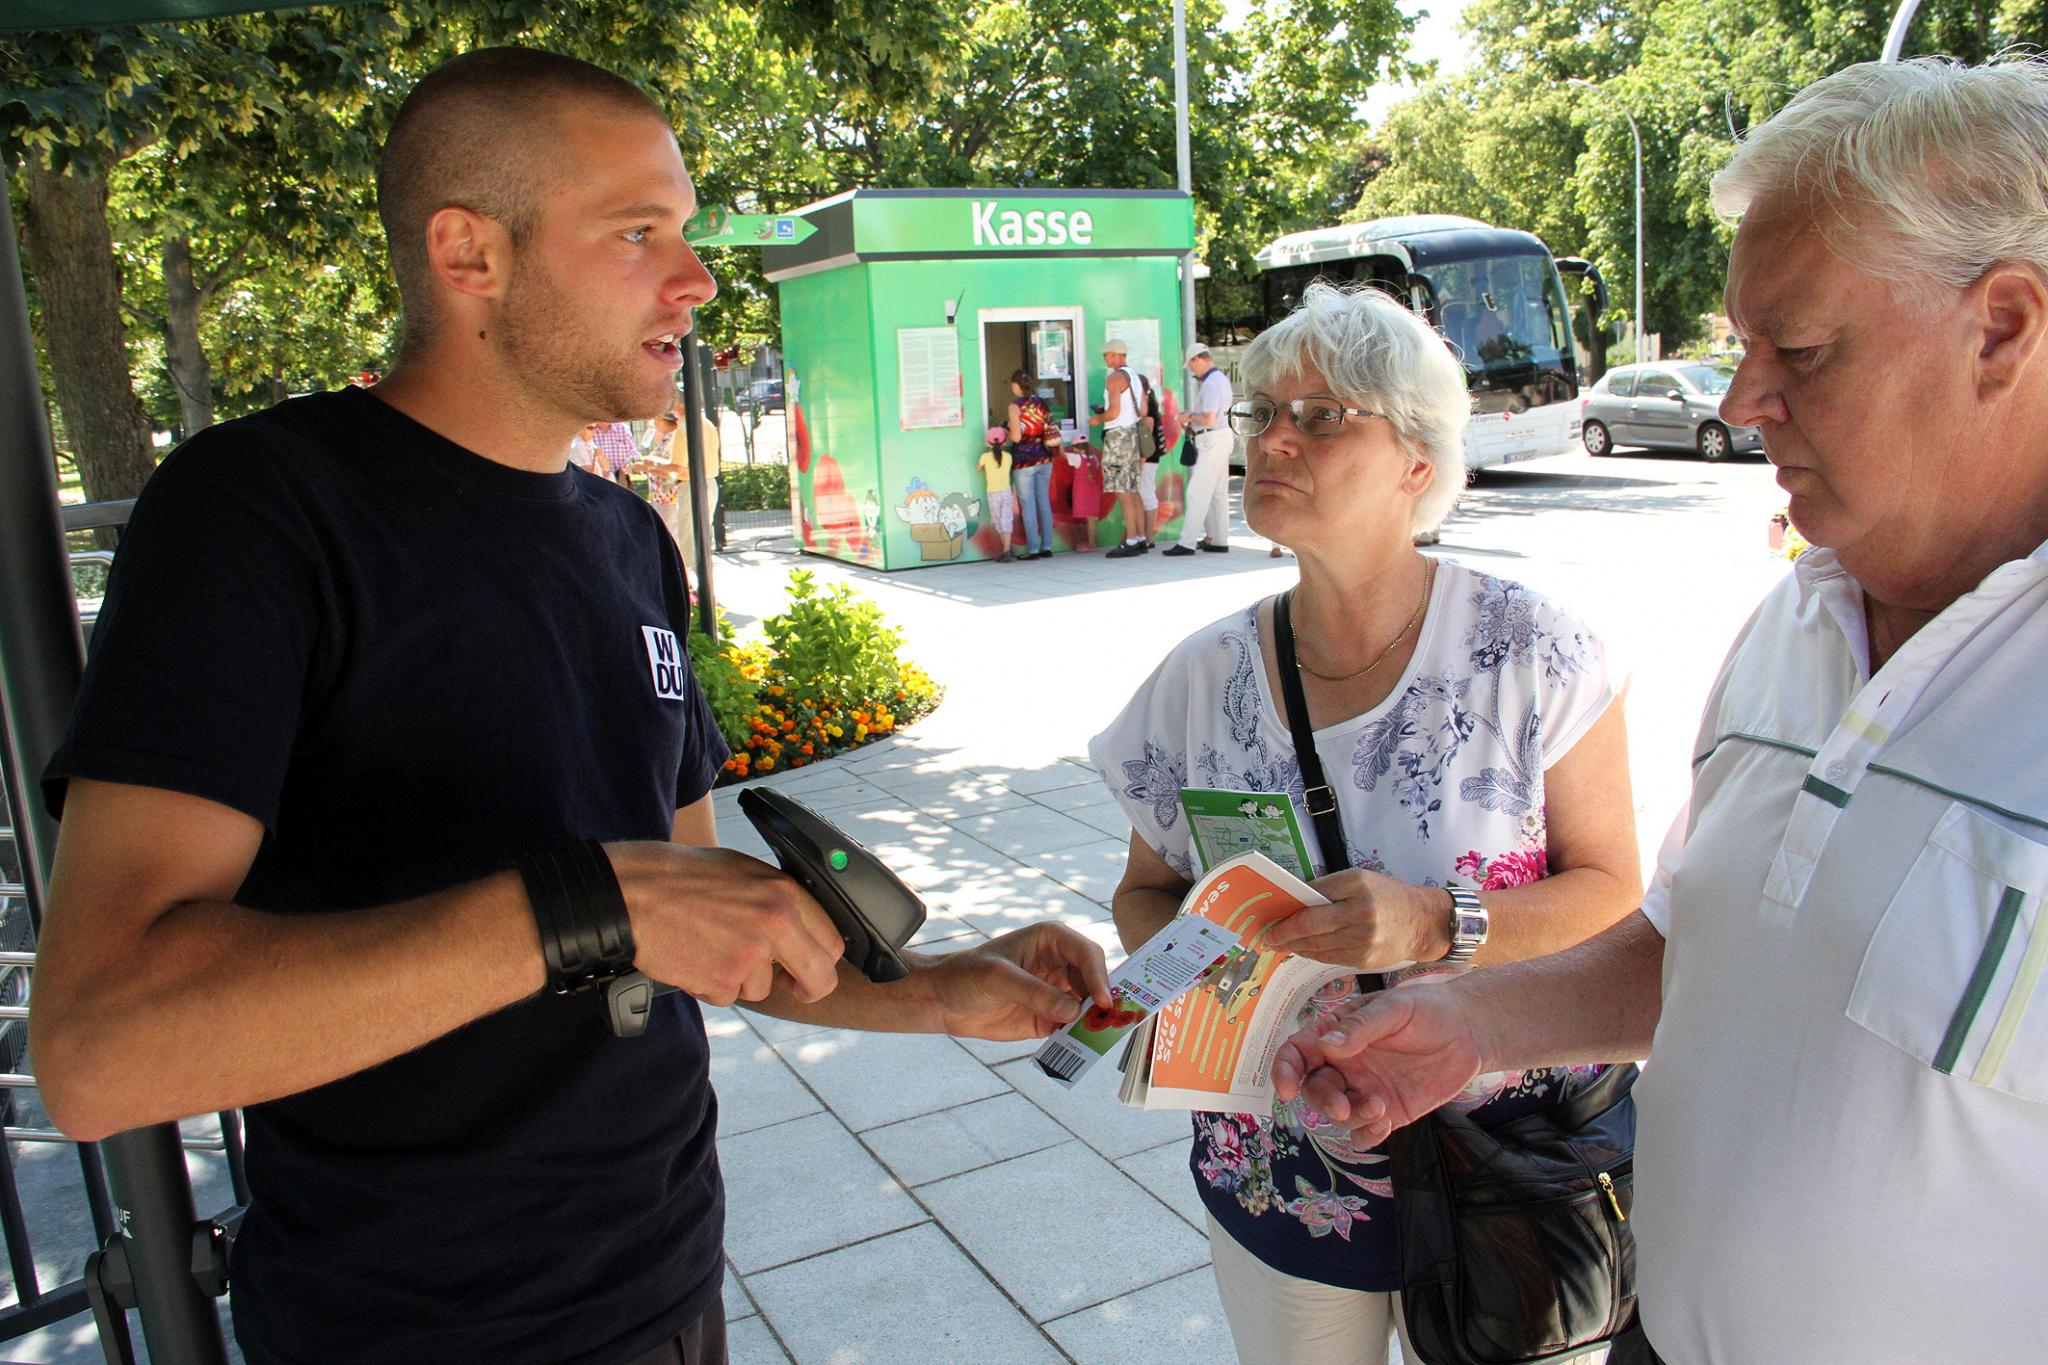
(707, 385)
(41, 657)
(693, 435)
(147, 1170)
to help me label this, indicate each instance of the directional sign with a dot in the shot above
(717, 227)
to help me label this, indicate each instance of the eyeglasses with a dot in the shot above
(1311, 416)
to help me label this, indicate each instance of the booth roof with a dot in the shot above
(940, 224)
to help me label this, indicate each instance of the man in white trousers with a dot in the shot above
(1206, 524)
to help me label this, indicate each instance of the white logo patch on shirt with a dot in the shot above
(665, 660)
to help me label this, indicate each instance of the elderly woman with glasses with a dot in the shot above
(1472, 731)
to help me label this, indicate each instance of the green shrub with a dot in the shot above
(825, 680)
(754, 487)
(835, 642)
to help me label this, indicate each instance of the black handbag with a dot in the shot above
(1515, 1245)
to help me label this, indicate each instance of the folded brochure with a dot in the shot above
(1224, 1003)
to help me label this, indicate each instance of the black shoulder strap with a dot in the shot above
(1320, 797)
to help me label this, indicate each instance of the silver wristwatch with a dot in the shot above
(1469, 923)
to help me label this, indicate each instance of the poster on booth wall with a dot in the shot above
(1141, 335)
(928, 370)
(1051, 344)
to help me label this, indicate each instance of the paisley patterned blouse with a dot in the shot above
(1441, 784)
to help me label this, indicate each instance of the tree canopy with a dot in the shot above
(201, 235)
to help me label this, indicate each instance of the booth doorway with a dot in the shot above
(1045, 343)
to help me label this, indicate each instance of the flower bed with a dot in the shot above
(826, 678)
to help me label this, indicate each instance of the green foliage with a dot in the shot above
(837, 640)
(1510, 142)
(753, 487)
(810, 690)
(730, 674)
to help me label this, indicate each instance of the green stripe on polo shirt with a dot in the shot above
(1768, 743)
(1826, 791)
(1980, 981)
(2016, 1002)
(1980, 803)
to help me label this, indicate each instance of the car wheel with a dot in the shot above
(1598, 442)
(1713, 441)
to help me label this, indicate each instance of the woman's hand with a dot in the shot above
(1372, 922)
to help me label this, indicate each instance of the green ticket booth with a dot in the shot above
(905, 314)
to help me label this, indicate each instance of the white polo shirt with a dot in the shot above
(1843, 1151)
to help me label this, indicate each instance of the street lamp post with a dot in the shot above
(1636, 137)
(1184, 167)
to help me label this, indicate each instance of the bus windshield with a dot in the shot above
(1501, 313)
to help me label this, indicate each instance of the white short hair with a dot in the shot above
(1375, 353)
(1926, 172)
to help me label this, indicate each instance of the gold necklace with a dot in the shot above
(1428, 581)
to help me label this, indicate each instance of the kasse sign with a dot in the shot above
(997, 226)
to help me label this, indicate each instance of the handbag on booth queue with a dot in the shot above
(1514, 1241)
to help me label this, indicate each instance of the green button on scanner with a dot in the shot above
(837, 858)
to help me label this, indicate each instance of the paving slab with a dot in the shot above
(1176, 1322)
(750, 1342)
(1092, 1112)
(754, 1088)
(871, 1079)
(1062, 1229)
(804, 1187)
(1092, 868)
(964, 1138)
(1023, 832)
(910, 1296)
(1070, 799)
(1164, 1171)
(1052, 777)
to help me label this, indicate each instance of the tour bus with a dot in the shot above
(1495, 294)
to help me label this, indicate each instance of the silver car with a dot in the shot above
(1675, 404)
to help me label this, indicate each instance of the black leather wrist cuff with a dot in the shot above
(585, 933)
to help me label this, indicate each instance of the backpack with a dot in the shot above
(1031, 418)
(1151, 426)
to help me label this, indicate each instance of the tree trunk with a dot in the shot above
(64, 229)
(184, 357)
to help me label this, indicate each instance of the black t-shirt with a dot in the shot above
(414, 666)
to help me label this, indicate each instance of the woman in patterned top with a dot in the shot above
(1028, 419)
(1473, 731)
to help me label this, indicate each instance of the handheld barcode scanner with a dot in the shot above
(872, 909)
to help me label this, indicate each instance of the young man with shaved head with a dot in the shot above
(388, 758)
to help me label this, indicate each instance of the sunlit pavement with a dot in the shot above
(912, 1199)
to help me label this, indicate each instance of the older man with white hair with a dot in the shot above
(1841, 960)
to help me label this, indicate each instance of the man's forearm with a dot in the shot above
(1597, 1002)
(228, 1006)
(904, 1006)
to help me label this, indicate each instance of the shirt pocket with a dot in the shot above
(1953, 974)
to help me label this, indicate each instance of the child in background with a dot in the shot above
(995, 465)
(1087, 497)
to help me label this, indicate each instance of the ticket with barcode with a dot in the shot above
(1165, 965)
